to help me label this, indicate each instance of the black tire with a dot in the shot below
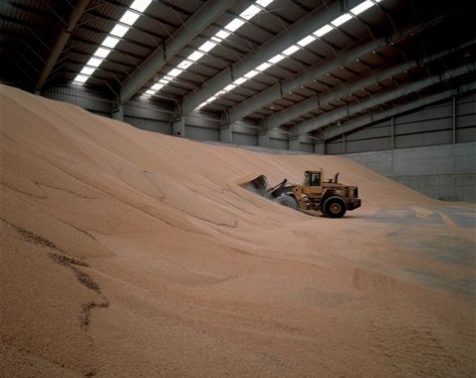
(287, 200)
(334, 207)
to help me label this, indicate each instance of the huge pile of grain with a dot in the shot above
(129, 253)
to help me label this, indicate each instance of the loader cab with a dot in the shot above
(312, 183)
(312, 178)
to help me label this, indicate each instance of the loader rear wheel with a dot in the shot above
(287, 201)
(334, 207)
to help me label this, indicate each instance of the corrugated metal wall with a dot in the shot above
(202, 133)
(245, 139)
(432, 125)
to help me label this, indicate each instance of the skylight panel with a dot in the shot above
(222, 34)
(250, 12)
(196, 55)
(184, 64)
(87, 71)
(291, 50)
(101, 52)
(234, 24)
(323, 31)
(229, 87)
(341, 19)
(110, 42)
(306, 41)
(362, 7)
(81, 79)
(140, 5)
(277, 58)
(94, 62)
(119, 30)
(157, 86)
(239, 81)
(264, 3)
(175, 72)
(207, 46)
(251, 74)
(263, 66)
(129, 18)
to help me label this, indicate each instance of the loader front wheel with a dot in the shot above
(287, 200)
(334, 207)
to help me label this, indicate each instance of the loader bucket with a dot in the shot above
(257, 184)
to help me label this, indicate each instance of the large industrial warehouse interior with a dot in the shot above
(144, 144)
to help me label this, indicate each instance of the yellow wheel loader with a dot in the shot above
(332, 198)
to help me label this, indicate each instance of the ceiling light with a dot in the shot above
(185, 64)
(157, 87)
(81, 79)
(87, 71)
(323, 31)
(164, 81)
(362, 7)
(140, 5)
(110, 42)
(119, 30)
(240, 81)
(222, 34)
(196, 55)
(306, 41)
(202, 105)
(277, 58)
(129, 18)
(102, 52)
(169, 78)
(216, 39)
(264, 3)
(150, 92)
(250, 12)
(233, 25)
(229, 87)
(263, 66)
(251, 74)
(341, 19)
(213, 98)
(94, 62)
(291, 50)
(207, 46)
(175, 72)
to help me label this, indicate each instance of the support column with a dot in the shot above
(392, 133)
(226, 134)
(454, 119)
(118, 112)
(263, 139)
(178, 127)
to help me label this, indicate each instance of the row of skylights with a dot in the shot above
(319, 33)
(127, 20)
(208, 45)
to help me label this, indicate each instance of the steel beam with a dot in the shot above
(369, 118)
(335, 115)
(201, 19)
(61, 40)
(275, 92)
(313, 102)
(276, 45)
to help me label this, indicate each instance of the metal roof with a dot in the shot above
(419, 31)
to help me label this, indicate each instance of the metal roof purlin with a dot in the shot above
(268, 51)
(60, 43)
(208, 12)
